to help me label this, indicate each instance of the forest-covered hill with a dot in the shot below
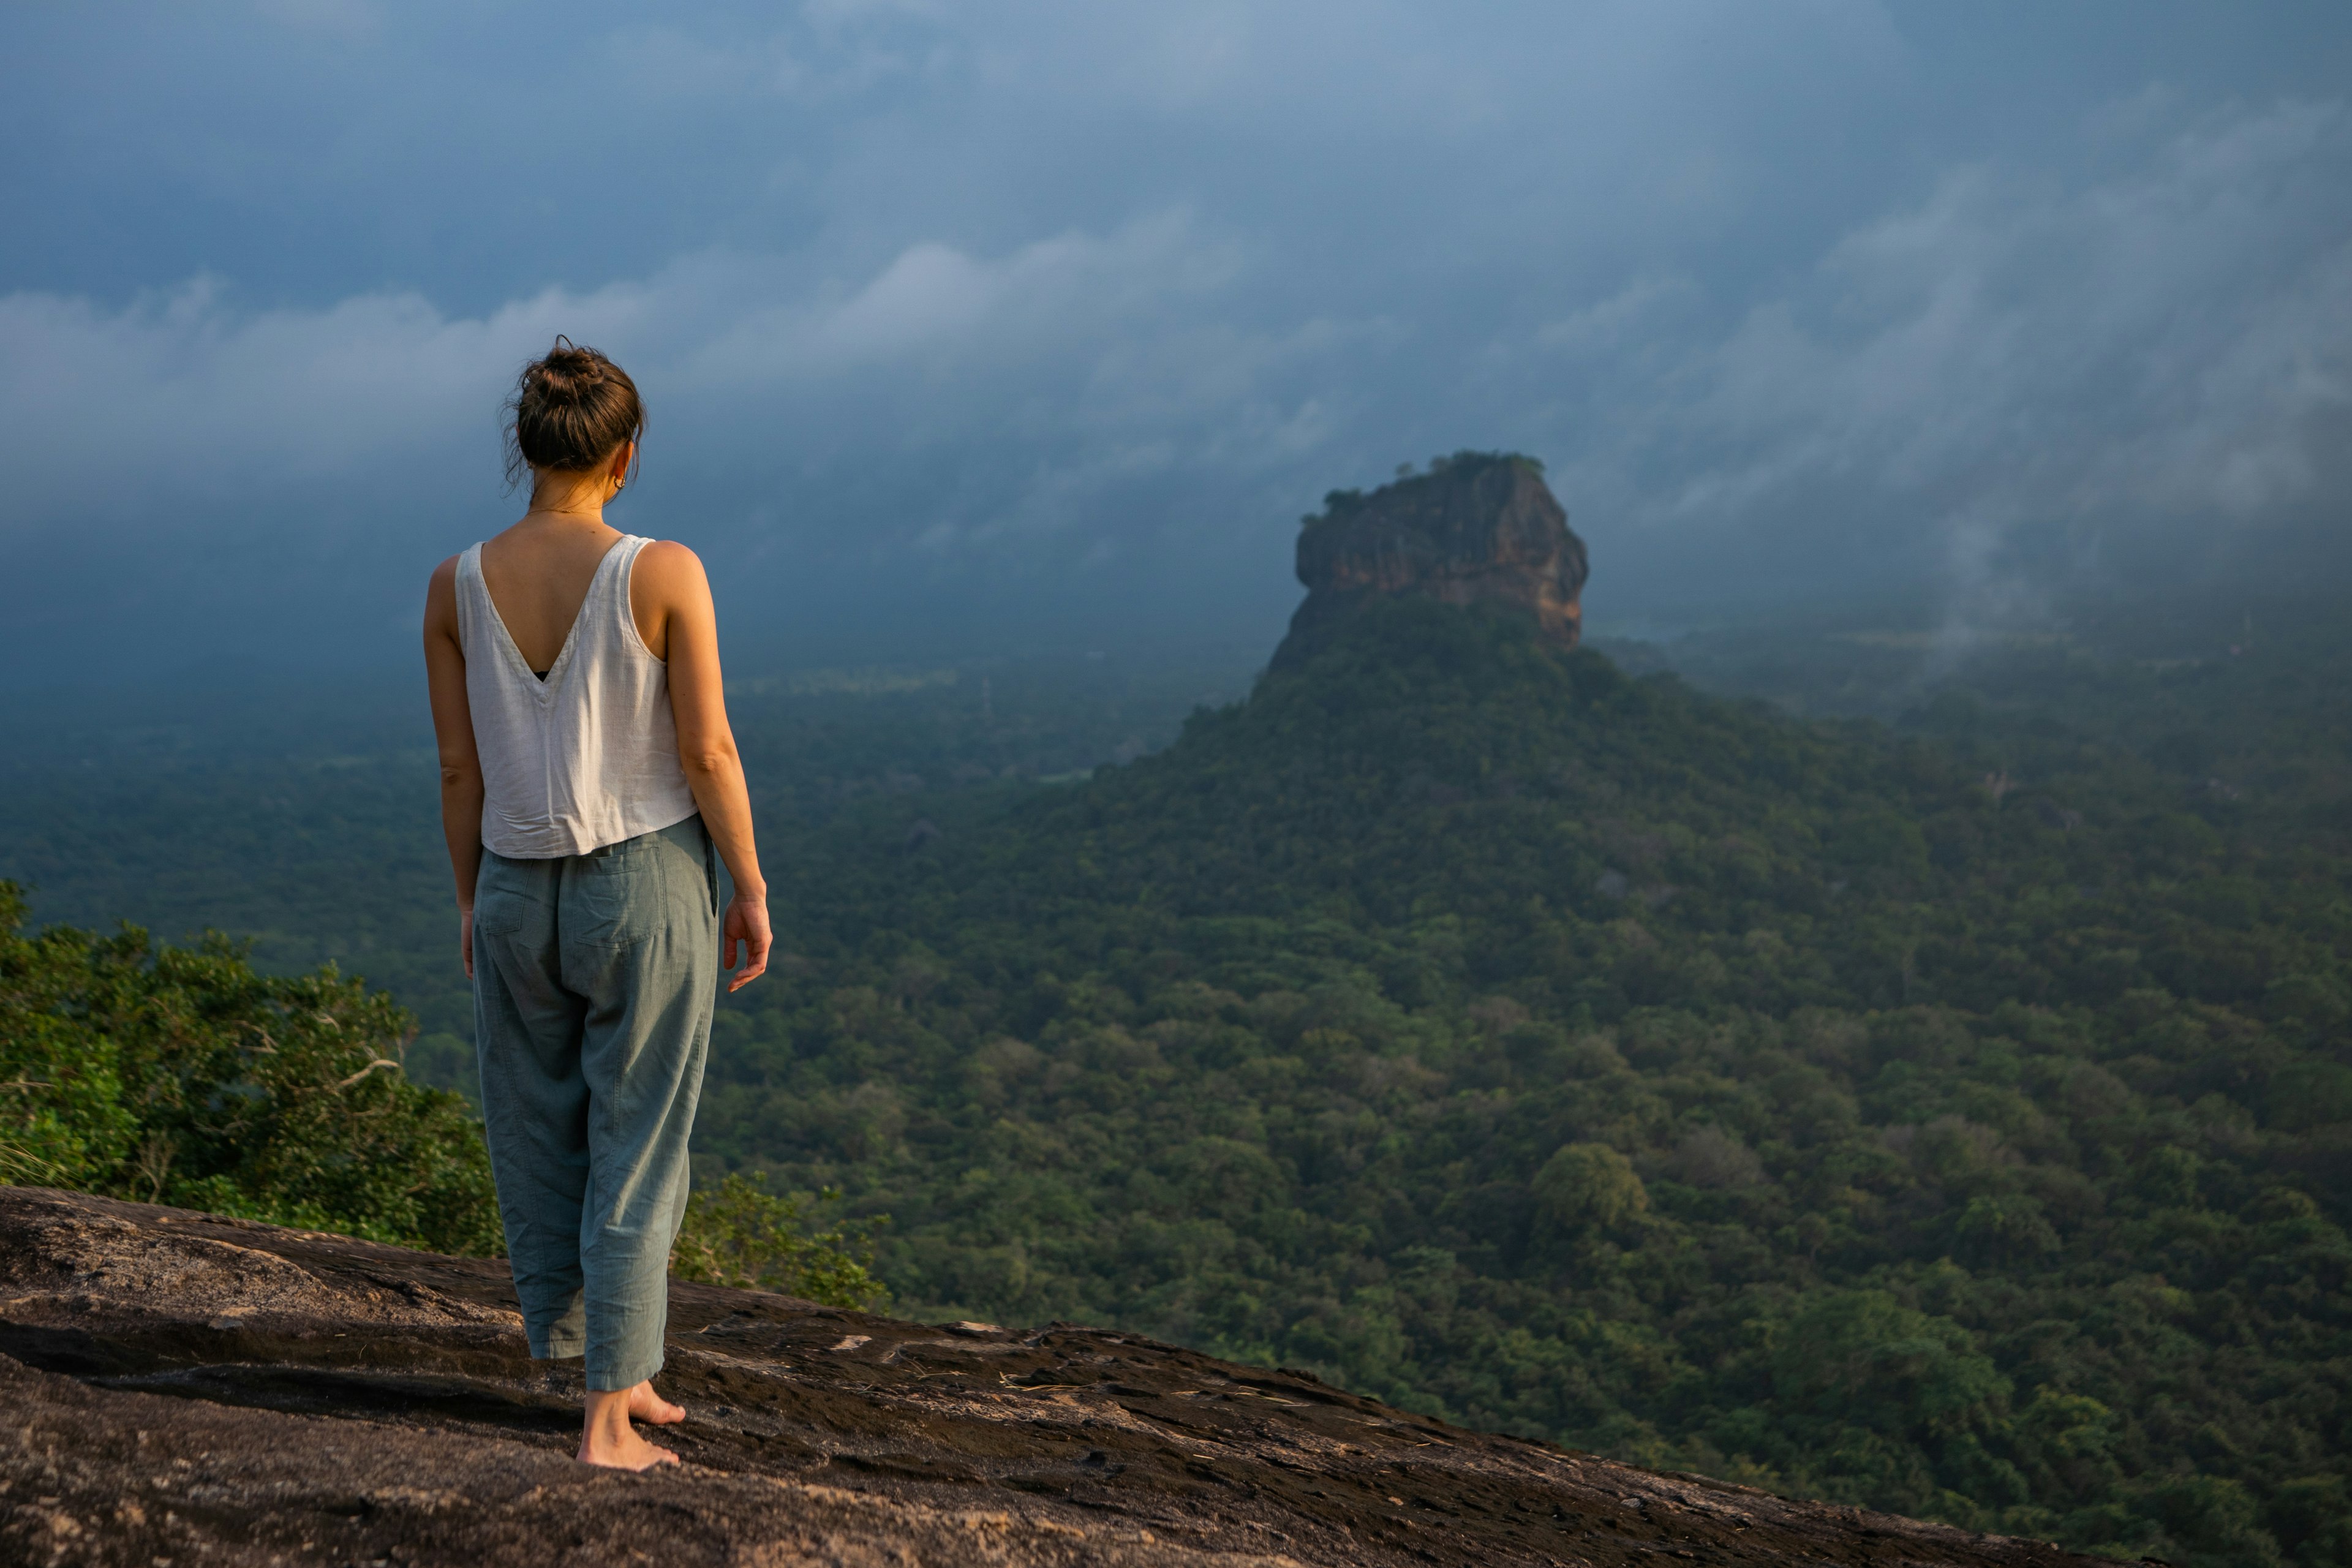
(1583, 1056)
(1954, 1116)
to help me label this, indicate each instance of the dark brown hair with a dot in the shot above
(570, 411)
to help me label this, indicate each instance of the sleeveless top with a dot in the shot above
(587, 757)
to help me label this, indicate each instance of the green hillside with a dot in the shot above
(1952, 1113)
(1585, 1056)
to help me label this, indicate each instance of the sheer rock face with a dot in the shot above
(1476, 530)
(187, 1388)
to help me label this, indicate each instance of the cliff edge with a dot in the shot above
(187, 1388)
(1477, 528)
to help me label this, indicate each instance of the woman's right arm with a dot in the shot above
(453, 734)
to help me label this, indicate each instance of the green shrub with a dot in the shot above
(740, 1234)
(181, 1076)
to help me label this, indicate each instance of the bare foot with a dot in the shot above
(608, 1439)
(629, 1452)
(644, 1405)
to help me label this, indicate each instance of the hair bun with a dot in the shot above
(566, 373)
(555, 384)
(572, 409)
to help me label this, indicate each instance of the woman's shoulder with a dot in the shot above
(667, 583)
(444, 580)
(441, 593)
(665, 563)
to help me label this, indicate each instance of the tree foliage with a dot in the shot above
(740, 1234)
(1578, 1055)
(182, 1076)
(1953, 1117)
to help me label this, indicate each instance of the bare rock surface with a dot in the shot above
(1476, 530)
(186, 1389)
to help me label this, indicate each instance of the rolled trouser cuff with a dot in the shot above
(624, 1375)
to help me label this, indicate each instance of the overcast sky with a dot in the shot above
(981, 327)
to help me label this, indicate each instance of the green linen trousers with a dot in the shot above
(595, 977)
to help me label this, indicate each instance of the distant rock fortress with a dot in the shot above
(1478, 528)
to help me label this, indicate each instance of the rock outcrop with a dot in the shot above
(1476, 529)
(188, 1389)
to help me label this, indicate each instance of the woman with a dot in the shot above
(587, 773)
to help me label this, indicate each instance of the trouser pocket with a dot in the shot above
(616, 898)
(505, 900)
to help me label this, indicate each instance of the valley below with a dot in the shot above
(1837, 1060)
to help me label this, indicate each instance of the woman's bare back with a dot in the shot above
(538, 573)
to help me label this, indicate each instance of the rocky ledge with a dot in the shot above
(186, 1389)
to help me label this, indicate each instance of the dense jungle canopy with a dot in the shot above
(1954, 1117)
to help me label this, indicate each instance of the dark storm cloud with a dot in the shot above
(1043, 311)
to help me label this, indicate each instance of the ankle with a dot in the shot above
(608, 1413)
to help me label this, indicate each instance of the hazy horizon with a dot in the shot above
(1039, 328)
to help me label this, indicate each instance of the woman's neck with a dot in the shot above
(591, 516)
(572, 498)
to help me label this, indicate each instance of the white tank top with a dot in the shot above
(587, 757)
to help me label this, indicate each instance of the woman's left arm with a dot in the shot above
(669, 595)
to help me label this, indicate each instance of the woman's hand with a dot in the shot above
(465, 939)
(747, 922)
